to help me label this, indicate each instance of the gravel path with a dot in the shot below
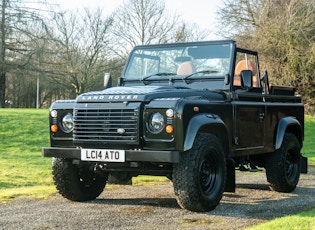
(154, 207)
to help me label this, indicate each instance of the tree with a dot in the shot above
(188, 32)
(69, 52)
(140, 22)
(80, 47)
(17, 19)
(282, 32)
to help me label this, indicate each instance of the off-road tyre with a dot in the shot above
(200, 176)
(283, 166)
(77, 182)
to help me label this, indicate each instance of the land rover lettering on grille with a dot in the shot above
(110, 97)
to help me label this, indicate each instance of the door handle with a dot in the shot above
(261, 116)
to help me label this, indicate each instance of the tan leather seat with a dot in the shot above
(186, 68)
(241, 65)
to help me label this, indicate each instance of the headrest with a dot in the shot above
(186, 68)
(241, 65)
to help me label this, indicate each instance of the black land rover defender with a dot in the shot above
(192, 112)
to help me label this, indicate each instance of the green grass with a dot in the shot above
(309, 139)
(304, 220)
(25, 173)
(148, 180)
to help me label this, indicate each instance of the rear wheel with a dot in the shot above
(199, 178)
(283, 166)
(77, 182)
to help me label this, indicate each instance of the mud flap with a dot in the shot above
(303, 164)
(230, 177)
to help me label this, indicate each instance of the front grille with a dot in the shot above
(105, 126)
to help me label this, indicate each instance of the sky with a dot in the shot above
(201, 12)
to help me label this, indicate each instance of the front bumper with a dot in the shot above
(131, 155)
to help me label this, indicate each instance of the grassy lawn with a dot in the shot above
(25, 173)
(309, 140)
(304, 220)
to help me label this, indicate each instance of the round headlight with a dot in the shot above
(67, 123)
(53, 113)
(169, 113)
(156, 123)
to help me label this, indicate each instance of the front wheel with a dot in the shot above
(199, 178)
(77, 182)
(283, 166)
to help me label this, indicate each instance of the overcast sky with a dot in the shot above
(201, 12)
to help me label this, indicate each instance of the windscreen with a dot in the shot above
(160, 62)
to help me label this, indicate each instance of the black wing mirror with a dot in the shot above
(107, 81)
(247, 79)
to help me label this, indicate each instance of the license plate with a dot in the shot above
(106, 155)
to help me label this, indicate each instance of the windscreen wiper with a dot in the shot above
(144, 79)
(185, 78)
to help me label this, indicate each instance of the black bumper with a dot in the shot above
(131, 155)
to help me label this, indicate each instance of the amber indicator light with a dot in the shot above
(196, 109)
(169, 129)
(54, 128)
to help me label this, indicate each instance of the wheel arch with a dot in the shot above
(206, 123)
(291, 125)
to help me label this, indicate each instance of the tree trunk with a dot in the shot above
(2, 89)
(2, 56)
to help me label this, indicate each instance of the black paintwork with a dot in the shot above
(250, 122)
